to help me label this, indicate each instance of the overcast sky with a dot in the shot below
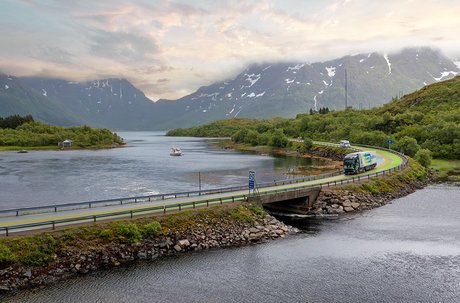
(171, 48)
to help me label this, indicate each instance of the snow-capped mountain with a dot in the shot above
(286, 89)
(15, 98)
(113, 103)
(260, 91)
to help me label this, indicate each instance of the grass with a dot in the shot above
(41, 249)
(446, 170)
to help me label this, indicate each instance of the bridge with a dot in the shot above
(302, 191)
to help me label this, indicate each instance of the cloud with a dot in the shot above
(192, 44)
(52, 54)
(126, 47)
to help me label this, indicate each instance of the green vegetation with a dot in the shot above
(18, 132)
(42, 249)
(426, 119)
(446, 170)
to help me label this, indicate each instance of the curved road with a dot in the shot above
(386, 160)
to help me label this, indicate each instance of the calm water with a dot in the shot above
(144, 167)
(407, 251)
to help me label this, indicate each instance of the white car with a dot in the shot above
(344, 143)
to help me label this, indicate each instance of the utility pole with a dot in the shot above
(346, 89)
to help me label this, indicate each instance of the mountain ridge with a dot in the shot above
(261, 90)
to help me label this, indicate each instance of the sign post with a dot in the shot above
(252, 181)
(389, 141)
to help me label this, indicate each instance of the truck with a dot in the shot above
(358, 162)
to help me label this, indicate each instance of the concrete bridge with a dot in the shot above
(294, 195)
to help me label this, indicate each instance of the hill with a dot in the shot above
(428, 118)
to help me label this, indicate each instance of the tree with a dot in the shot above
(307, 143)
(408, 146)
(423, 156)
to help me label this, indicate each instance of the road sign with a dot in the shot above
(251, 184)
(252, 177)
(389, 141)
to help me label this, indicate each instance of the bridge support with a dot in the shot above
(298, 201)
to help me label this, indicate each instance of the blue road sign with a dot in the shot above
(251, 184)
(389, 141)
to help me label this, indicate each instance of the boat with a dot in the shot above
(175, 151)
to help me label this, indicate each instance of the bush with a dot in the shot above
(106, 233)
(6, 257)
(129, 232)
(152, 229)
(423, 156)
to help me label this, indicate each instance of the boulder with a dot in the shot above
(348, 209)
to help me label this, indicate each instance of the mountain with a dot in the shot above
(112, 103)
(286, 89)
(15, 98)
(260, 91)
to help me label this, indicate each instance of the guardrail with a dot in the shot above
(158, 197)
(194, 204)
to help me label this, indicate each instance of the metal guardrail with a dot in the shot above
(158, 197)
(193, 204)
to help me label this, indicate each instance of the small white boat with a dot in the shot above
(175, 151)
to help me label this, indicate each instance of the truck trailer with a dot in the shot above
(358, 162)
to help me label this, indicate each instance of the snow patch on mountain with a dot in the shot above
(296, 67)
(44, 92)
(388, 63)
(325, 83)
(361, 60)
(252, 78)
(457, 63)
(266, 68)
(6, 86)
(330, 71)
(289, 81)
(445, 74)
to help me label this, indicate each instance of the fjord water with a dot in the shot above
(143, 167)
(406, 251)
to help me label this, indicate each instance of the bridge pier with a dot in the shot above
(297, 201)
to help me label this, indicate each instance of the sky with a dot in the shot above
(168, 49)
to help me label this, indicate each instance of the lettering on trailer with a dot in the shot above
(368, 158)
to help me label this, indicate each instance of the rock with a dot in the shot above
(183, 243)
(348, 209)
(355, 205)
(27, 274)
(142, 255)
(177, 247)
(253, 230)
(346, 203)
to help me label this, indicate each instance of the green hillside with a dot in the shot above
(425, 119)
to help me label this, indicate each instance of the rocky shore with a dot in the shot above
(224, 232)
(337, 201)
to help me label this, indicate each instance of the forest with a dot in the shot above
(426, 121)
(18, 131)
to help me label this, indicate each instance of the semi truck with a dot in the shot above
(358, 162)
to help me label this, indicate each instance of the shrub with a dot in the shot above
(6, 257)
(423, 156)
(129, 231)
(106, 233)
(152, 228)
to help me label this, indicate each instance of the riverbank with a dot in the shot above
(370, 194)
(47, 258)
